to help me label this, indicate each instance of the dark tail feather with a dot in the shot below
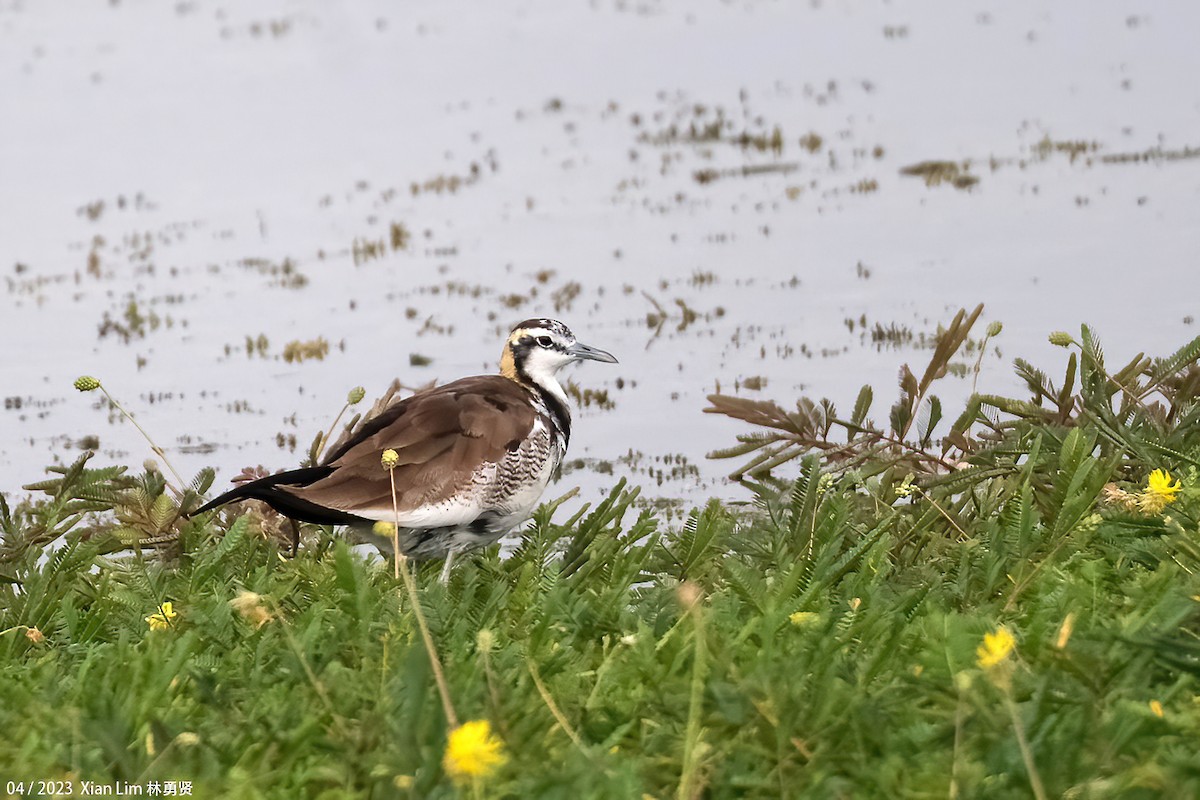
(267, 489)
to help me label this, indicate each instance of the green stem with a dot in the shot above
(688, 787)
(400, 566)
(979, 362)
(959, 714)
(1035, 780)
(555, 711)
(325, 437)
(158, 451)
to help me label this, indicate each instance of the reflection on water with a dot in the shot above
(233, 213)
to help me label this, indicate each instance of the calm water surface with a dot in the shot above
(713, 191)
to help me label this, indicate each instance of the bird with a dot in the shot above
(472, 457)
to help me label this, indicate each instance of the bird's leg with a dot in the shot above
(295, 537)
(445, 579)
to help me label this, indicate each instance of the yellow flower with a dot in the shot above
(162, 620)
(473, 752)
(390, 458)
(1160, 490)
(1156, 708)
(383, 528)
(996, 648)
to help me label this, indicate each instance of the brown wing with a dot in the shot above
(441, 436)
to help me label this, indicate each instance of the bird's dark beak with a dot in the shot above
(584, 353)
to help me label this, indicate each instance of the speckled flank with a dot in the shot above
(509, 489)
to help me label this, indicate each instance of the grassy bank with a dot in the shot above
(1006, 610)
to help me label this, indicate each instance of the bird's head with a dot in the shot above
(538, 348)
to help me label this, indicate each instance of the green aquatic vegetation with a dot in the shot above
(706, 176)
(1072, 148)
(702, 130)
(564, 296)
(134, 322)
(865, 186)
(1016, 615)
(285, 274)
(586, 397)
(811, 141)
(935, 173)
(400, 236)
(363, 250)
(446, 184)
(1152, 155)
(300, 351)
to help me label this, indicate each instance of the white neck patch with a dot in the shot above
(542, 366)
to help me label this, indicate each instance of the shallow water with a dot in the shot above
(709, 190)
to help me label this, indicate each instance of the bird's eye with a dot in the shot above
(545, 341)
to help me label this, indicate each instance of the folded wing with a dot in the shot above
(443, 437)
